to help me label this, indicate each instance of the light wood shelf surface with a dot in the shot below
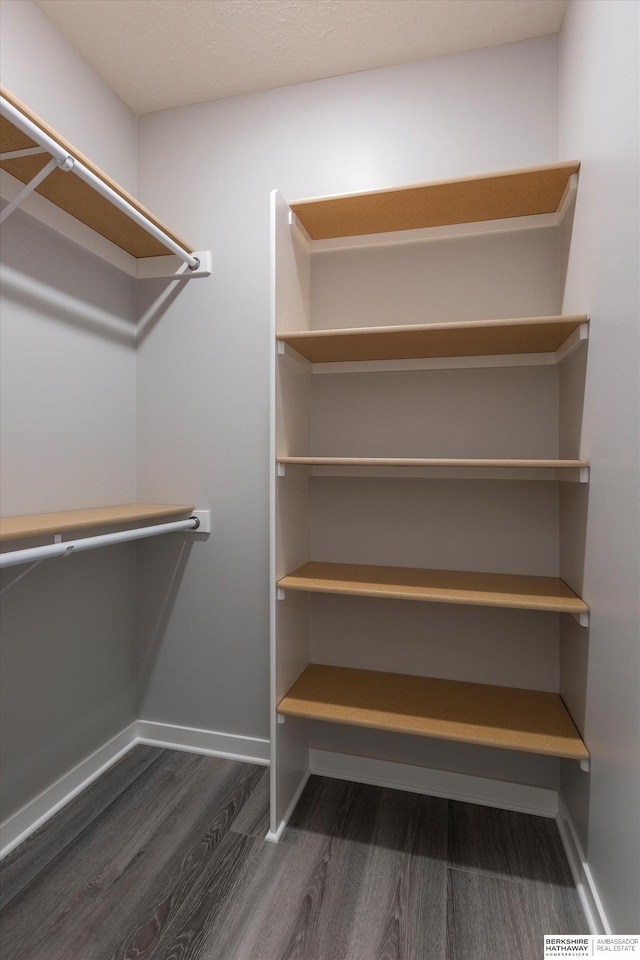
(491, 196)
(430, 462)
(469, 338)
(436, 586)
(529, 720)
(48, 524)
(75, 196)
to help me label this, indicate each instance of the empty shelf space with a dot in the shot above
(472, 338)
(491, 196)
(48, 524)
(76, 197)
(529, 720)
(432, 462)
(436, 586)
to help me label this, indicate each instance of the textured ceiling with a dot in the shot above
(166, 53)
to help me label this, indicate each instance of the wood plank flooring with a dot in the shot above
(163, 858)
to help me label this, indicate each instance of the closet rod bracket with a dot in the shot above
(203, 518)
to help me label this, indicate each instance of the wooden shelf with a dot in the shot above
(48, 524)
(491, 196)
(436, 586)
(430, 462)
(473, 338)
(76, 197)
(529, 720)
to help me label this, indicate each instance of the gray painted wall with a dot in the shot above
(68, 438)
(600, 668)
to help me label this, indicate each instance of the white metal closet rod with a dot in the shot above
(50, 550)
(28, 127)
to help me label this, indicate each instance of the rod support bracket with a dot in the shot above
(66, 164)
(204, 521)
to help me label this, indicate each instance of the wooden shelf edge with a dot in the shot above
(48, 524)
(453, 325)
(426, 462)
(511, 591)
(505, 717)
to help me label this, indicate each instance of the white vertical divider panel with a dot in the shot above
(289, 504)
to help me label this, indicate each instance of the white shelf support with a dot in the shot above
(581, 618)
(17, 154)
(585, 765)
(30, 187)
(281, 718)
(280, 593)
(572, 343)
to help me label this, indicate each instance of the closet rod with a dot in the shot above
(68, 162)
(64, 549)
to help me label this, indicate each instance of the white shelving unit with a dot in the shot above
(402, 297)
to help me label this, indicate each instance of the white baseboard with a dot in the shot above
(273, 836)
(587, 890)
(19, 826)
(436, 783)
(209, 742)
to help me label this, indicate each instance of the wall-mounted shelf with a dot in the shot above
(78, 199)
(436, 586)
(423, 466)
(524, 335)
(48, 524)
(529, 720)
(416, 212)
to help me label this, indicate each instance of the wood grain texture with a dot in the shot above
(65, 521)
(469, 338)
(506, 844)
(82, 903)
(161, 873)
(493, 919)
(436, 586)
(364, 865)
(19, 868)
(253, 819)
(74, 196)
(533, 721)
(426, 462)
(490, 196)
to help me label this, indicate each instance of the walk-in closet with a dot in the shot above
(320, 553)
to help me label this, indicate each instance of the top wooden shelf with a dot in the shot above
(76, 197)
(491, 196)
(48, 524)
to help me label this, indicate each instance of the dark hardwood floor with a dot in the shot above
(164, 858)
